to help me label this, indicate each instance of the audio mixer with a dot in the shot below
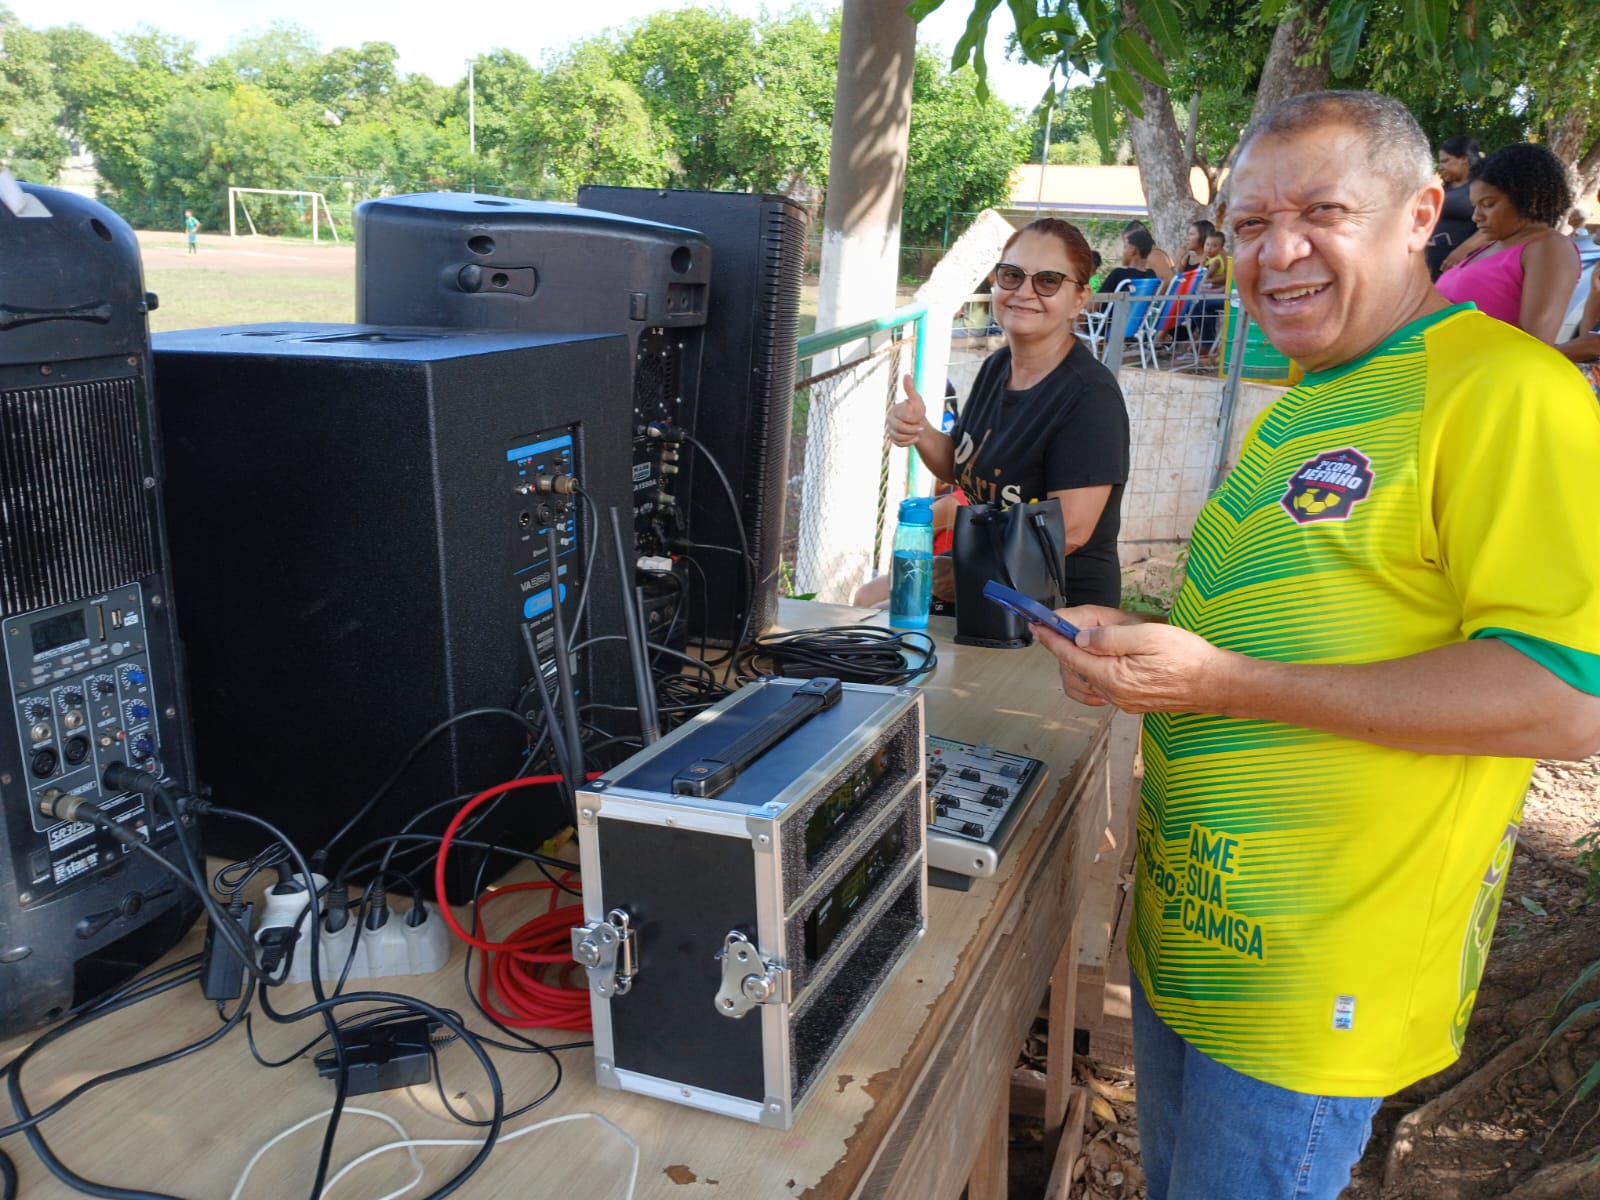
(976, 797)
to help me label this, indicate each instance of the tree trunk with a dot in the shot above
(1570, 142)
(1281, 77)
(1158, 148)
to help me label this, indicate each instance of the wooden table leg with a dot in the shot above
(1063, 1017)
(988, 1178)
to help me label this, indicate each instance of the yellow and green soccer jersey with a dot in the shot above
(1314, 911)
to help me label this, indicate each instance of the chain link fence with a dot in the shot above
(1186, 414)
(845, 479)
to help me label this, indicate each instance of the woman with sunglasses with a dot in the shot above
(1045, 417)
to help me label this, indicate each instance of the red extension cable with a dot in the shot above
(519, 967)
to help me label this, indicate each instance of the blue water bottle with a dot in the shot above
(911, 574)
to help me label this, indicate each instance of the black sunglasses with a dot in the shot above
(1045, 283)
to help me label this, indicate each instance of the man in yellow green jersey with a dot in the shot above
(1392, 608)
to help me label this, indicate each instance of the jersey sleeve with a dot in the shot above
(1089, 446)
(1510, 463)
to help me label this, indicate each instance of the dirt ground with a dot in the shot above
(218, 251)
(1502, 1124)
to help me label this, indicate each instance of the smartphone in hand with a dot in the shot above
(1029, 609)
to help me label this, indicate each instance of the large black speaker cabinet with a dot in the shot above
(85, 612)
(359, 512)
(490, 262)
(758, 249)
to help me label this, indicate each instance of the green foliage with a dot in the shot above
(31, 141)
(963, 148)
(1499, 69)
(694, 98)
(688, 65)
(578, 123)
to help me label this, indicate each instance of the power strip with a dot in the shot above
(412, 941)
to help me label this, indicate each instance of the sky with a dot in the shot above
(437, 39)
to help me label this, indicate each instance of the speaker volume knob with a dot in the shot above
(139, 711)
(136, 676)
(141, 748)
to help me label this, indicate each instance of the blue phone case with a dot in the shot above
(1028, 608)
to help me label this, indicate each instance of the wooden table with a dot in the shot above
(914, 1107)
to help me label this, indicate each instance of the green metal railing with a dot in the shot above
(915, 315)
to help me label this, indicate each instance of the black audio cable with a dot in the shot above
(325, 1008)
(30, 1120)
(736, 509)
(568, 697)
(148, 987)
(857, 653)
(410, 756)
(633, 625)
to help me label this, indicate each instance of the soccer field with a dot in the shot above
(247, 281)
(256, 280)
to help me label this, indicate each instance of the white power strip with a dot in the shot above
(397, 947)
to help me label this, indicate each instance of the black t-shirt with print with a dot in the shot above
(1069, 430)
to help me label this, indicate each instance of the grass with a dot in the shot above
(193, 298)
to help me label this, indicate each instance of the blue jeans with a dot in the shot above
(1206, 1132)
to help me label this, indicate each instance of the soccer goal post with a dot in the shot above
(319, 204)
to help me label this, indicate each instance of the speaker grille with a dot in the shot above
(777, 328)
(73, 508)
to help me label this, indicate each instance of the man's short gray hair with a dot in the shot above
(1398, 147)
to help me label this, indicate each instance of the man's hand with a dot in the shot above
(1138, 666)
(909, 417)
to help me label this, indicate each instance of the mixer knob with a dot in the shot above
(104, 687)
(136, 676)
(141, 748)
(139, 711)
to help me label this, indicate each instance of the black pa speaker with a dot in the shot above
(746, 401)
(362, 510)
(467, 261)
(86, 613)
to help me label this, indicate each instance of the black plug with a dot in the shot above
(221, 968)
(275, 944)
(337, 914)
(377, 911)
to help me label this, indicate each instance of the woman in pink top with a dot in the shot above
(1526, 273)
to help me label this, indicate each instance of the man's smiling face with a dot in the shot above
(1327, 247)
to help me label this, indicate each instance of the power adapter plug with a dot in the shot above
(221, 968)
(382, 1057)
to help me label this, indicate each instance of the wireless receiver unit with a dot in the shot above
(750, 884)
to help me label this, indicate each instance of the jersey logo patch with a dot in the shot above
(1327, 487)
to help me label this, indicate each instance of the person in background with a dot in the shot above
(1099, 270)
(1392, 608)
(191, 227)
(1044, 417)
(1216, 262)
(1159, 260)
(1525, 271)
(1578, 225)
(1583, 349)
(1194, 250)
(1213, 284)
(1137, 247)
(1457, 155)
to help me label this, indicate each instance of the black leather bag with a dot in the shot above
(1023, 547)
